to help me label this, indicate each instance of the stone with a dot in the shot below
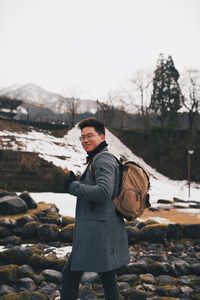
(134, 235)
(48, 232)
(139, 267)
(26, 284)
(166, 280)
(165, 201)
(191, 231)
(6, 289)
(12, 205)
(26, 270)
(133, 294)
(8, 273)
(52, 275)
(155, 232)
(28, 200)
(175, 231)
(30, 230)
(66, 233)
(66, 220)
(129, 278)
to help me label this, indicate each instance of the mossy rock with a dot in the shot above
(29, 230)
(25, 296)
(8, 273)
(18, 255)
(66, 220)
(48, 233)
(66, 232)
(46, 262)
(155, 232)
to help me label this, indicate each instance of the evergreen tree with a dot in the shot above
(166, 96)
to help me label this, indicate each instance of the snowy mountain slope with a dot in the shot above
(34, 94)
(67, 152)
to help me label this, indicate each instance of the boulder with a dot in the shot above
(11, 205)
(48, 232)
(30, 230)
(8, 273)
(28, 199)
(66, 233)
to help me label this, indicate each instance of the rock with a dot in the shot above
(12, 205)
(197, 205)
(147, 278)
(66, 232)
(180, 267)
(133, 294)
(38, 261)
(28, 200)
(90, 278)
(196, 268)
(191, 231)
(4, 232)
(134, 235)
(8, 273)
(48, 232)
(25, 284)
(52, 275)
(175, 231)
(155, 232)
(26, 271)
(139, 267)
(165, 201)
(66, 220)
(129, 278)
(11, 240)
(179, 200)
(24, 220)
(166, 279)
(157, 268)
(30, 230)
(6, 289)
(17, 255)
(25, 296)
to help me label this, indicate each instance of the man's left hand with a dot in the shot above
(68, 180)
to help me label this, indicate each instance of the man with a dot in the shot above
(100, 240)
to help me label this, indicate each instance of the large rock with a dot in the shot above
(11, 205)
(28, 200)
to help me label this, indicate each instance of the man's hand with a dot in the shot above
(68, 180)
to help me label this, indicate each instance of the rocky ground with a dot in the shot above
(165, 258)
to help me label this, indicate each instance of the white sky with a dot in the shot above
(93, 46)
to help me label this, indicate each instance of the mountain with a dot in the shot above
(34, 94)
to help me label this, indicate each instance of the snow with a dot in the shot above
(67, 152)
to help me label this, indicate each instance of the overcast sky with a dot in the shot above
(93, 46)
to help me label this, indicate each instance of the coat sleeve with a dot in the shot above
(103, 166)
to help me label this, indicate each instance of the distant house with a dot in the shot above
(8, 107)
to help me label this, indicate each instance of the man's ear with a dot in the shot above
(103, 137)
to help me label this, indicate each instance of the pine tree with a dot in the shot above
(166, 96)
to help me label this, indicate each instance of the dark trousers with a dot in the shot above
(71, 280)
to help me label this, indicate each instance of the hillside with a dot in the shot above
(65, 151)
(166, 151)
(27, 171)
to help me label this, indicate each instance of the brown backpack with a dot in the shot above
(134, 185)
(133, 197)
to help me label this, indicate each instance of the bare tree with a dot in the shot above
(191, 95)
(69, 105)
(141, 94)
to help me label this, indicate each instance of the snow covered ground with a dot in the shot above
(66, 152)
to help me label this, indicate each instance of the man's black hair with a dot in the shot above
(91, 122)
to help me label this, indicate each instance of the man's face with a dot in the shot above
(90, 139)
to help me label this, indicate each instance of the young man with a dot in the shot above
(100, 240)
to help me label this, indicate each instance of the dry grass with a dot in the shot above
(173, 215)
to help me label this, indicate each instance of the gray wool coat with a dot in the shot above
(100, 239)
